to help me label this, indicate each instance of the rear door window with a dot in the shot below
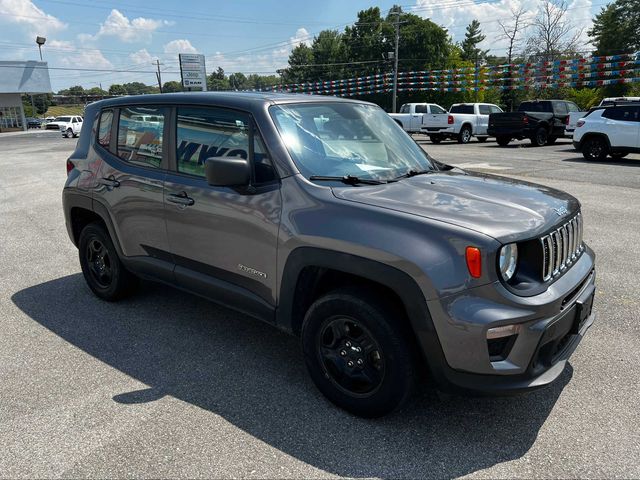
(484, 109)
(422, 109)
(437, 109)
(468, 109)
(140, 135)
(625, 114)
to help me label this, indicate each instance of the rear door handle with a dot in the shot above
(109, 182)
(180, 199)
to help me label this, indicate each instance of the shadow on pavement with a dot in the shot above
(253, 375)
(623, 162)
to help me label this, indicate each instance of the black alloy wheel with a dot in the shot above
(350, 356)
(99, 262)
(540, 137)
(595, 148)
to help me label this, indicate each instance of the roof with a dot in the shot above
(24, 77)
(246, 100)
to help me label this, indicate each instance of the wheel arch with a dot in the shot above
(590, 135)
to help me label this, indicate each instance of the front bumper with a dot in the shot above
(549, 331)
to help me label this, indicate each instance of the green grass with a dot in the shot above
(59, 110)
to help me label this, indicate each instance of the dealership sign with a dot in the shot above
(193, 72)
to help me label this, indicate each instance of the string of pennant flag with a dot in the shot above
(591, 71)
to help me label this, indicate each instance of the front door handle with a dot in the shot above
(109, 182)
(180, 199)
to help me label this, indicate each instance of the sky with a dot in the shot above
(256, 36)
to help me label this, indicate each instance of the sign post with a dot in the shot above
(193, 71)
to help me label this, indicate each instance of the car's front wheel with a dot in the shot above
(102, 269)
(595, 148)
(357, 351)
(68, 133)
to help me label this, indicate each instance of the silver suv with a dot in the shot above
(322, 217)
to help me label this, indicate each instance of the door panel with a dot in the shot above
(622, 126)
(226, 233)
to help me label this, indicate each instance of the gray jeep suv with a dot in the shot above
(324, 218)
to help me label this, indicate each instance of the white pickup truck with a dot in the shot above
(462, 122)
(412, 115)
(573, 117)
(69, 126)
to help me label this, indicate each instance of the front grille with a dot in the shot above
(561, 248)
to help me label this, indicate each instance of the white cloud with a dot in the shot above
(179, 46)
(86, 58)
(24, 12)
(456, 18)
(138, 29)
(141, 57)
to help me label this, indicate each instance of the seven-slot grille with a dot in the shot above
(561, 247)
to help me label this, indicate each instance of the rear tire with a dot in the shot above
(465, 134)
(102, 269)
(551, 140)
(357, 352)
(540, 137)
(503, 141)
(595, 148)
(435, 138)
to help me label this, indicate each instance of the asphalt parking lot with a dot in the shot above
(168, 385)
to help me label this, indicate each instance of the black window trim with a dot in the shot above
(173, 159)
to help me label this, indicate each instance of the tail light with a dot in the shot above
(450, 119)
(525, 120)
(70, 166)
(580, 123)
(566, 121)
(474, 261)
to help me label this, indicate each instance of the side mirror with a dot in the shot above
(227, 171)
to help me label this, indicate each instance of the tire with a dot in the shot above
(540, 137)
(338, 328)
(465, 134)
(482, 139)
(503, 141)
(102, 269)
(551, 140)
(69, 133)
(617, 155)
(595, 148)
(435, 138)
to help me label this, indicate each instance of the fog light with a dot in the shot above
(504, 331)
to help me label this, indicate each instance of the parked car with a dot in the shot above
(613, 131)
(33, 122)
(412, 115)
(319, 216)
(575, 116)
(463, 122)
(541, 121)
(69, 126)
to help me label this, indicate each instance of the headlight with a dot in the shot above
(508, 261)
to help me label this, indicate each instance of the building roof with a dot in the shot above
(24, 77)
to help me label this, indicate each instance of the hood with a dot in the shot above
(503, 208)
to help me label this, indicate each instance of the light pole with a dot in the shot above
(40, 41)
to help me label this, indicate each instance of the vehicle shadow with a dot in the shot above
(253, 376)
(622, 162)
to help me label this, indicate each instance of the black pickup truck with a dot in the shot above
(542, 121)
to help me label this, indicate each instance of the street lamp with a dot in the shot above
(40, 41)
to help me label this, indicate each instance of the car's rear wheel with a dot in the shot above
(503, 141)
(595, 148)
(540, 137)
(102, 269)
(551, 140)
(617, 155)
(465, 134)
(357, 352)
(435, 138)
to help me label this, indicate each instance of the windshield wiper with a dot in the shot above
(348, 179)
(413, 173)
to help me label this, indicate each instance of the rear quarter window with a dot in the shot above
(467, 109)
(104, 128)
(140, 139)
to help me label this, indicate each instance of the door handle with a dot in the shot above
(109, 182)
(180, 199)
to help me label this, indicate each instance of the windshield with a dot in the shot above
(339, 139)
(63, 119)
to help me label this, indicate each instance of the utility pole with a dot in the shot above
(158, 76)
(395, 61)
(477, 74)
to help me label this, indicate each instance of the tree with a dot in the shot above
(172, 86)
(616, 28)
(299, 60)
(117, 89)
(137, 88)
(329, 55)
(511, 32)
(238, 81)
(96, 91)
(217, 80)
(472, 38)
(553, 34)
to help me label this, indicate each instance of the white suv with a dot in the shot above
(613, 131)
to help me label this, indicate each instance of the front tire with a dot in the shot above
(465, 134)
(595, 148)
(435, 138)
(357, 352)
(68, 133)
(102, 269)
